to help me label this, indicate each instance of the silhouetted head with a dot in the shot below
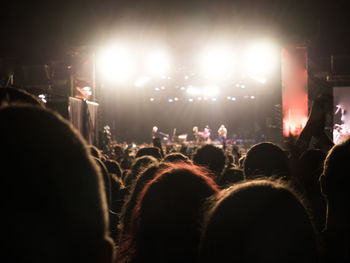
(54, 208)
(230, 176)
(138, 166)
(175, 157)
(113, 167)
(266, 159)
(16, 95)
(165, 221)
(95, 151)
(130, 200)
(335, 178)
(211, 157)
(258, 221)
(152, 151)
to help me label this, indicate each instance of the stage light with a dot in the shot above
(142, 81)
(233, 99)
(258, 79)
(157, 89)
(115, 64)
(43, 98)
(213, 99)
(261, 59)
(243, 86)
(186, 77)
(158, 63)
(210, 91)
(193, 91)
(228, 97)
(162, 87)
(199, 98)
(176, 99)
(87, 90)
(170, 100)
(252, 97)
(190, 100)
(151, 99)
(217, 62)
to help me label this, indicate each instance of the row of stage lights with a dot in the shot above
(204, 91)
(118, 63)
(213, 99)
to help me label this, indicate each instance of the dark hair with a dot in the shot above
(130, 200)
(336, 172)
(176, 156)
(152, 151)
(266, 159)
(258, 221)
(55, 207)
(211, 157)
(167, 214)
(17, 95)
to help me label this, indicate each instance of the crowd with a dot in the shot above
(66, 201)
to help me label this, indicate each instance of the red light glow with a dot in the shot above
(294, 90)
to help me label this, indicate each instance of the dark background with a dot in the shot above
(41, 30)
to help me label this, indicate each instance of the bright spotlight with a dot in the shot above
(158, 63)
(210, 91)
(115, 64)
(217, 62)
(261, 59)
(142, 81)
(193, 91)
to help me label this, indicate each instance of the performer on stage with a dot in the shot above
(154, 132)
(222, 132)
(206, 134)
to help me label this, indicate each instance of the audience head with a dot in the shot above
(266, 159)
(139, 164)
(211, 157)
(113, 167)
(175, 157)
(55, 208)
(230, 176)
(94, 151)
(165, 221)
(258, 221)
(130, 200)
(335, 179)
(152, 151)
(17, 95)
